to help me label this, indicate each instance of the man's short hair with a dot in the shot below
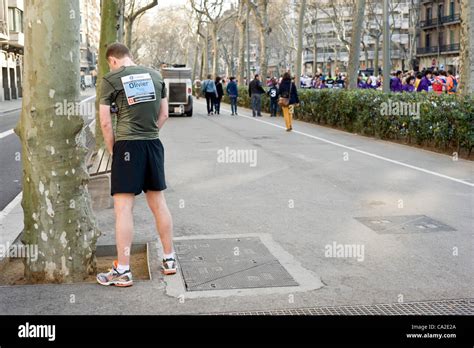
(209, 76)
(117, 50)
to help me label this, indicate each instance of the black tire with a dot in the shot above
(189, 110)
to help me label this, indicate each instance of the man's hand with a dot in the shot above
(106, 126)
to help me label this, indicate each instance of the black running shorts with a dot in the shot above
(138, 165)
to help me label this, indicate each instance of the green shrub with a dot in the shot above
(445, 122)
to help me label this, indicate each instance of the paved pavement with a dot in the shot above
(303, 194)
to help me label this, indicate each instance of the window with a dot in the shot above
(15, 19)
(428, 40)
(451, 8)
(429, 15)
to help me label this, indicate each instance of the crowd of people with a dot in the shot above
(282, 94)
(429, 80)
(283, 90)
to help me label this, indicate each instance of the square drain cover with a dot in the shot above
(229, 263)
(404, 224)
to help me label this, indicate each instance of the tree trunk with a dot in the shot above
(58, 217)
(205, 53)
(299, 51)
(241, 24)
(315, 56)
(128, 30)
(108, 35)
(215, 52)
(376, 56)
(354, 54)
(196, 54)
(466, 83)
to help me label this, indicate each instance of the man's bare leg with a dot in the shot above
(164, 222)
(123, 206)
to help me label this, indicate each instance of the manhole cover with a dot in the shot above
(229, 263)
(404, 224)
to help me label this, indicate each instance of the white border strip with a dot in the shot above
(364, 152)
(6, 133)
(10, 206)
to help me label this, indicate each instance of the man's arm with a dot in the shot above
(106, 126)
(163, 115)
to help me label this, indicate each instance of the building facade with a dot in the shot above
(11, 51)
(333, 41)
(90, 35)
(439, 38)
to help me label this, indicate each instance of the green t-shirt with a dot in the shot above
(137, 91)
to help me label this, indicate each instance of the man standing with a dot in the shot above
(138, 96)
(255, 93)
(233, 92)
(210, 92)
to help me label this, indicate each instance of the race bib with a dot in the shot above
(139, 88)
(273, 93)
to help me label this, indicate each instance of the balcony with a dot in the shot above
(454, 18)
(433, 50)
(427, 50)
(450, 48)
(433, 22)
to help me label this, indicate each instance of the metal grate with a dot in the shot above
(404, 224)
(229, 263)
(442, 307)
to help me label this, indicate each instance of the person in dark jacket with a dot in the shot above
(220, 94)
(396, 82)
(410, 84)
(255, 93)
(210, 92)
(425, 83)
(288, 90)
(273, 93)
(233, 93)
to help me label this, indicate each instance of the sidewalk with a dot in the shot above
(208, 199)
(8, 106)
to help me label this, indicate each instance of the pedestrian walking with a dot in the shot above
(273, 93)
(137, 155)
(288, 99)
(210, 92)
(220, 94)
(197, 87)
(233, 93)
(255, 93)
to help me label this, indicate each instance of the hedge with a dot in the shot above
(444, 122)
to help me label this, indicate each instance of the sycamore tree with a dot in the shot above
(58, 217)
(466, 85)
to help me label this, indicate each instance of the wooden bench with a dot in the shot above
(100, 163)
